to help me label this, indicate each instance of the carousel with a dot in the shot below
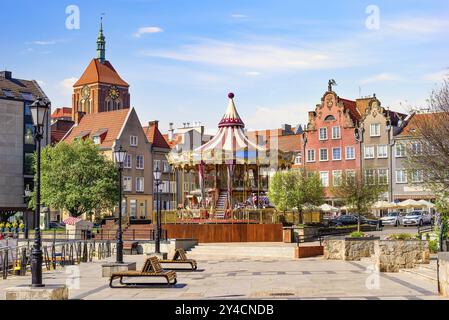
(230, 172)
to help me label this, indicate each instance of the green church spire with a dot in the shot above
(101, 44)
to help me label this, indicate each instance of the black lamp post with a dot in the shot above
(120, 156)
(157, 181)
(39, 111)
(25, 217)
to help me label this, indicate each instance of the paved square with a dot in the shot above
(312, 278)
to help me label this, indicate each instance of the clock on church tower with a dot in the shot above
(100, 87)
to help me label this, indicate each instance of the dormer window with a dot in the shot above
(97, 140)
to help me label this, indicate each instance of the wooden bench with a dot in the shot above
(130, 245)
(151, 269)
(180, 257)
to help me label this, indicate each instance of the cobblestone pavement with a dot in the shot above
(312, 278)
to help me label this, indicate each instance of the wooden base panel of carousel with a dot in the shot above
(217, 233)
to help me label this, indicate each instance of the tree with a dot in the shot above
(77, 177)
(295, 189)
(428, 151)
(358, 194)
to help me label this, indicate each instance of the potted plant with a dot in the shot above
(15, 227)
(22, 227)
(2, 226)
(8, 226)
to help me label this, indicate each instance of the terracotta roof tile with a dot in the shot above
(100, 72)
(62, 113)
(90, 124)
(413, 122)
(352, 107)
(155, 137)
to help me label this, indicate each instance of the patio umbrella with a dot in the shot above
(427, 203)
(410, 204)
(327, 208)
(384, 205)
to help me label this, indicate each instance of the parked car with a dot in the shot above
(345, 220)
(392, 219)
(370, 222)
(417, 218)
(56, 225)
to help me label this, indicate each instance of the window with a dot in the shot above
(168, 169)
(97, 140)
(337, 177)
(375, 130)
(400, 150)
(298, 158)
(143, 209)
(140, 184)
(311, 155)
(140, 162)
(27, 109)
(133, 208)
(330, 118)
(417, 176)
(323, 134)
(370, 176)
(28, 169)
(369, 152)
(350, 153)
(416, 148)
(382, 151)
(401, 176)
(336, 154)
(382, 175)
(29, 133)
(128, 161)
(133, 141)
(336, 133)
(323, 155)
(127, 184)
(156, 164)
(350, 177)
(8, 93)
(27, 96)
(324, 176)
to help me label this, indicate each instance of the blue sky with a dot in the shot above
(276, 56)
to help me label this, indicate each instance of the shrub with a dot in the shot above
(433, 246)
(401, 236)
(357, 234)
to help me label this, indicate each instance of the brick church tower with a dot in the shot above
(100, 88)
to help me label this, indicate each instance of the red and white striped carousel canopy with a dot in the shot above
(231, 136)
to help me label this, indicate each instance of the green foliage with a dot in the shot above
(433, 246)
(401, 236)
(357, 234)
(357, 194)
(77, 177)
(295, 189)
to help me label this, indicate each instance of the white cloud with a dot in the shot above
(146, 30)
(437, 76)
(261, 56)
(382, 77)
(253, 73)
(418, 25)
(44, 43)
(274, 117)
(67, 84)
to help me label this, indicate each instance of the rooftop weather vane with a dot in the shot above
(332, 82)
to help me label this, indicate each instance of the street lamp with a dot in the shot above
(120, 156)
(39, 112)
(27, 196)
(157, 181)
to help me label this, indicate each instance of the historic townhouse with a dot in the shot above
(110, 130)
(17, 144)
(378, 127)
(332, 140)
(408, 184)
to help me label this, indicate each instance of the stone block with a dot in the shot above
(48, 292)
(108, 269)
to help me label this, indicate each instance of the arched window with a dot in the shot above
(108, 106)
(89, 106)
(330, 118)
(118, 105)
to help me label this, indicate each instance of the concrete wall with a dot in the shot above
(443, 275)
(11, 154)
